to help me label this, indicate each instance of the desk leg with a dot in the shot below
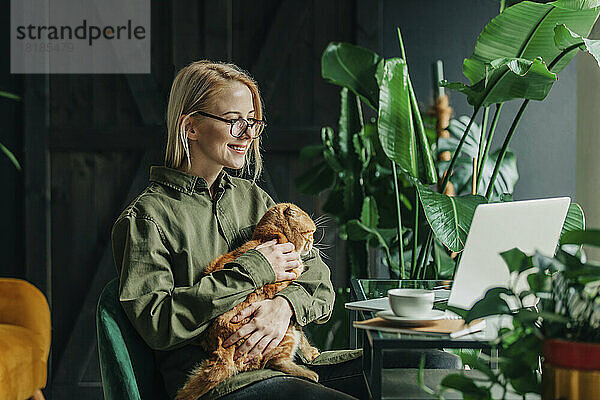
(372, 365)
(353, 331)
(376, 367)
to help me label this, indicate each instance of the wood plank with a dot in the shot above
(185, 32)
(217, 38)
(150, 102)
(72, 364)
(109, 139)
(287, 23)
(37, 183)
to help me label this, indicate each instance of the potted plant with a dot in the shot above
(562, 329)
(517, 56)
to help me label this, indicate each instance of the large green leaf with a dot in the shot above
(369, 215)
(492, 303)
(575, 220)
(565, 38)
(353, 67)
(462, 177)
(516, 260)
(9, 95)
(350, 124)
(10, 156)
(395, 123)
(449, 217)
(590, 237)
(577, 4)
(526, 30)
(508, 79)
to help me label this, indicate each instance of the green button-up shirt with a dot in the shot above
(163, 241)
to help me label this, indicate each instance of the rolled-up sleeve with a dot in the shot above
(167, 316)
(311, 295)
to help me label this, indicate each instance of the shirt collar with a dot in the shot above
(185, 182)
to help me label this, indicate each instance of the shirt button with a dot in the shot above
(304, 319)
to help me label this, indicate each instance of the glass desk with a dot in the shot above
(375, 343)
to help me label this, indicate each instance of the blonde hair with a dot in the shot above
(193, 88)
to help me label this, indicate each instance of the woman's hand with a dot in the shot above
(282, 257)
(270, 321)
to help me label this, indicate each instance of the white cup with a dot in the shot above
(411, 302)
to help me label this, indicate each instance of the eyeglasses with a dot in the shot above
(239, 126)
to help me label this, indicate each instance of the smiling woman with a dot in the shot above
(193, 212)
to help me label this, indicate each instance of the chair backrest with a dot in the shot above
(126, 362)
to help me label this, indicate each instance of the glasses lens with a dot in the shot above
(258, 128)
(239, 127)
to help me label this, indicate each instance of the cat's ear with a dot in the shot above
(290, 212)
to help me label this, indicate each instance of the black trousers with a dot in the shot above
(339, 381)
(343, 381)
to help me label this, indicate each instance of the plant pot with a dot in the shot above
(571, 370)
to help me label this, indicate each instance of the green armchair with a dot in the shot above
(126, 362)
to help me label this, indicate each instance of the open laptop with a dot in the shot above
(529, 225)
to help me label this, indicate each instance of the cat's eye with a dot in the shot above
(291, 212)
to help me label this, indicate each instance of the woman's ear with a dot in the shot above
(188, 126)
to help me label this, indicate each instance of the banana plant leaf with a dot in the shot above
(353, 67)
(9, 95)
(508, 79)
(565, 38)
(577, 4)
(589, 237)
(4, 149)
(396, 125)
(526, 30)
(449, 217)
(463, 170)
(10, 156)
(574, 221)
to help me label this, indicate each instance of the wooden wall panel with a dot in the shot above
(101, 125)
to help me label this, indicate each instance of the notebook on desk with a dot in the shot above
(529, 225)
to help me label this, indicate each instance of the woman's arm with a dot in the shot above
(311, 295)
(167, 316)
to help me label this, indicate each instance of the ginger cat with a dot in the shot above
(285, 222)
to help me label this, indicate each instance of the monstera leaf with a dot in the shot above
(353, 67)
(463, 169)
(449, 217)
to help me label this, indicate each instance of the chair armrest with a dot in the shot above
(23, 304)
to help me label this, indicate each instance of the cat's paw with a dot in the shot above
(310, 353)
(313, 376)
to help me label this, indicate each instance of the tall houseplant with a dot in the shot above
(517, 56)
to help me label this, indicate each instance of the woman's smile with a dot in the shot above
(237, 148)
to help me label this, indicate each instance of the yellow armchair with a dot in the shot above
(24, 340)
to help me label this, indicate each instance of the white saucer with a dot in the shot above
(429, 316)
